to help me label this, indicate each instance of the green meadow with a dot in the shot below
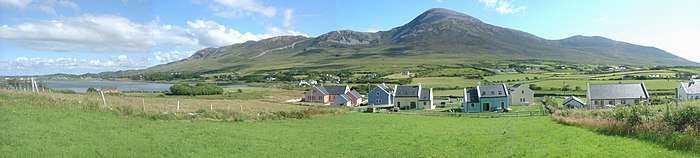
(58, 128)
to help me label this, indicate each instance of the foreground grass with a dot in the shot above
(41, 131)
(674, 126)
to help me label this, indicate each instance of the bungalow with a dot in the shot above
(486, 98)
(329, 95)
(413, 97)
(573, 102)
(381, 95)
(688, 91)
(600, 95)
(521, 95)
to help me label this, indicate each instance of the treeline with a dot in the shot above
(198, 89)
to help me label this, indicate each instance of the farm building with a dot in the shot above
(486, 98)
(600, 95)
(688, 91)
(329, 94)
(521, 95)
(573, 102)
(413, 97)
(381, 95)
(109, 89)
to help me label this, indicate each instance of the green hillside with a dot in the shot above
(436, 37)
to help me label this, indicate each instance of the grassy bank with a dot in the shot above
(56, 127)
(674, 126)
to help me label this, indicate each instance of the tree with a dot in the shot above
(566, 88)
(578, 88)
(91, 90)
(239, 90)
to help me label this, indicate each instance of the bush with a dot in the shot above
(198, 89)
(91, 90)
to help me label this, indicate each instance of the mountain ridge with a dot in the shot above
(437, 34)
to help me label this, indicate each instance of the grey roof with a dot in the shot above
(355, 94)
(471, 96)
(425, 94)
(691, 88)
(572, 98)
(322, 89)
(342, 99)
(515, 86)
(387, 89)
(488, 91)
(617, 91)
(335, 90)
(407, 91)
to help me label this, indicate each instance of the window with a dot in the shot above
(378, 101)
(377, 93)
(611, 102)
(423, 103)
(500, 93)
(492, 93)
(472, 104)
(483, 92)
(523, 91)
(624, 101)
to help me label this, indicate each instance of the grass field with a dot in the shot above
(445, 82)
(503, 77)
(51, 131)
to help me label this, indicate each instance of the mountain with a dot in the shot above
(436, 37)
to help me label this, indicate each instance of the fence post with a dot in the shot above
(178, 107)
(143, 104)
(211, 107)
(103, 98)
(241, 108)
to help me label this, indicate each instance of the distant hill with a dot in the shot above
(438, 36)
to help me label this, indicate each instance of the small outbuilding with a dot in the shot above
(573, 103)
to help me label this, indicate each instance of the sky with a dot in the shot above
(91, 36)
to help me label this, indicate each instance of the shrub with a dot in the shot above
(91, 90)
(198, 89)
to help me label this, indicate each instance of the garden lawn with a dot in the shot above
(32, 131)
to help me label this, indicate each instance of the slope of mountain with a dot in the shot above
(437, 36)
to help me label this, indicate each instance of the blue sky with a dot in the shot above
(82, 36)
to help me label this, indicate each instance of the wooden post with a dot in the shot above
(103, 98)
(241, 108)
(211, 107)
(143, 103)
(178, 107)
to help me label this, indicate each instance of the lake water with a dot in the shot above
(83, 85)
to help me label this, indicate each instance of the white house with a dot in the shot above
(688, 91)
(603, 95)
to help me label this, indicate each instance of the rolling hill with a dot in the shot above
(436, 37)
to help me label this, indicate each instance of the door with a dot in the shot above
(413, 105)
(487, 107)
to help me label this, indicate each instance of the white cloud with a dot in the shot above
(37, 66)
(236, 8)
(288, 16)
(502, 6)
(213, 34)
(19, 4)
(172, 56)
(69, 4)
(108, 33)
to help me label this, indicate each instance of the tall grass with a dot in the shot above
(674, 126)
(165, 109)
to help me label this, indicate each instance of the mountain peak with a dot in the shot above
(436, 15)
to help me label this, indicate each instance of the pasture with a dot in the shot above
(57, 130)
